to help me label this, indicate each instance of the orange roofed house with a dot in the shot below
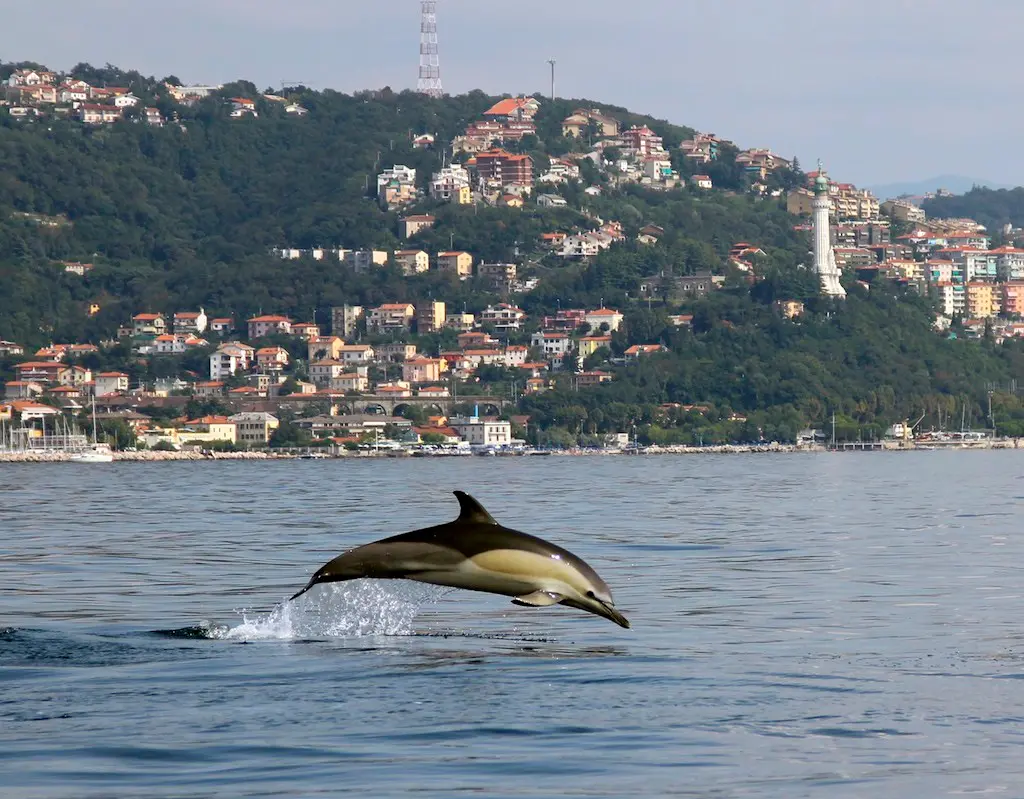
(514, 109)
(260, 326)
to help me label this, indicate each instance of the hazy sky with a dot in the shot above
(881, 90)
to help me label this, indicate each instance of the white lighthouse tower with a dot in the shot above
(824, 258)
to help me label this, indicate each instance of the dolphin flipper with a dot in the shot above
(538, 599)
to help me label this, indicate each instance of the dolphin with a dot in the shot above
(476, 553)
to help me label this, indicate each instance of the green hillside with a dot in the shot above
(185, 215)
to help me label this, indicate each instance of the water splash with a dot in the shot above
(337, 610)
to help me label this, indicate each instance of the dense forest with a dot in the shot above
(185, 215)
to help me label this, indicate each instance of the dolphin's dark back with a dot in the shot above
(442, 546)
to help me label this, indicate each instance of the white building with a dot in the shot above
(449, 183)
(230, 358)
(483, 432)
(553, 345)
(503, 317)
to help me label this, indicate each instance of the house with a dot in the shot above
(148, 324)
(422, 370)
(22, 389)
(594, 378)
(254, 429)
(504, 168)
(323, 372)
(551, 201)
(502, 317)
(514, 109)
(350, 381)
(483, 432)
(412, 262)
(272, 359)
(581, 122)
(230, 358)
(190, 94)
(345, 320)
(460, 321)
(324, 349)
(511, 201)
(295, 110)
(425, 141)
(399, 390)
(222, 326)
(673, 288)
(395, 352)
(190, 322)
(11, 348)
(260, 326)
(307, 331)
(634, 352)
(390, 318)
(91, 114)
(553, 345)
(409, 226)
(456, 262)
(243, 107)
(126, 101)
(452, 184)
(358, 354)
(430, 316)
(603, 316)
(107, 383)
(76, 268)
(209, 388)
(499, 275)
(396, 186)
(364, 260)
(208, 429)
(30, 77)
(588, 345)
(701, 181)
(152, 117)
(643, 141)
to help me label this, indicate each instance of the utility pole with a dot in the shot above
(552, 62)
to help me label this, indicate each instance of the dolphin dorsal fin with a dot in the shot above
(471, 510)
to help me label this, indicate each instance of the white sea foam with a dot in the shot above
(338, 610)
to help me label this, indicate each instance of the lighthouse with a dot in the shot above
(824, 258)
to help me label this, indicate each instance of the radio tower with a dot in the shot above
(430, 63)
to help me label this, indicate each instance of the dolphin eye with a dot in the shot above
(591, 594)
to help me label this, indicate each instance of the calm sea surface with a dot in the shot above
(833, 625)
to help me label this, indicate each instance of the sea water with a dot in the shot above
(826, 625)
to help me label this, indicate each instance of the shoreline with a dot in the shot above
(721, 449)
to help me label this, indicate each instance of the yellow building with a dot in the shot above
(412, 261)
(588, 345)
(456, 262)
(982, 300)
(208, 429)
(430, 316)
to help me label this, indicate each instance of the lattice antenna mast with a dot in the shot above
(430, 62)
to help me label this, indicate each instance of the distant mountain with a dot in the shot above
(958, 184)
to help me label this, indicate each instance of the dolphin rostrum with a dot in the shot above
(476, 553)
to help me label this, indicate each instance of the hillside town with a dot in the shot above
(378, 374)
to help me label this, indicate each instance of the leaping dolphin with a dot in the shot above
(476, 553)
